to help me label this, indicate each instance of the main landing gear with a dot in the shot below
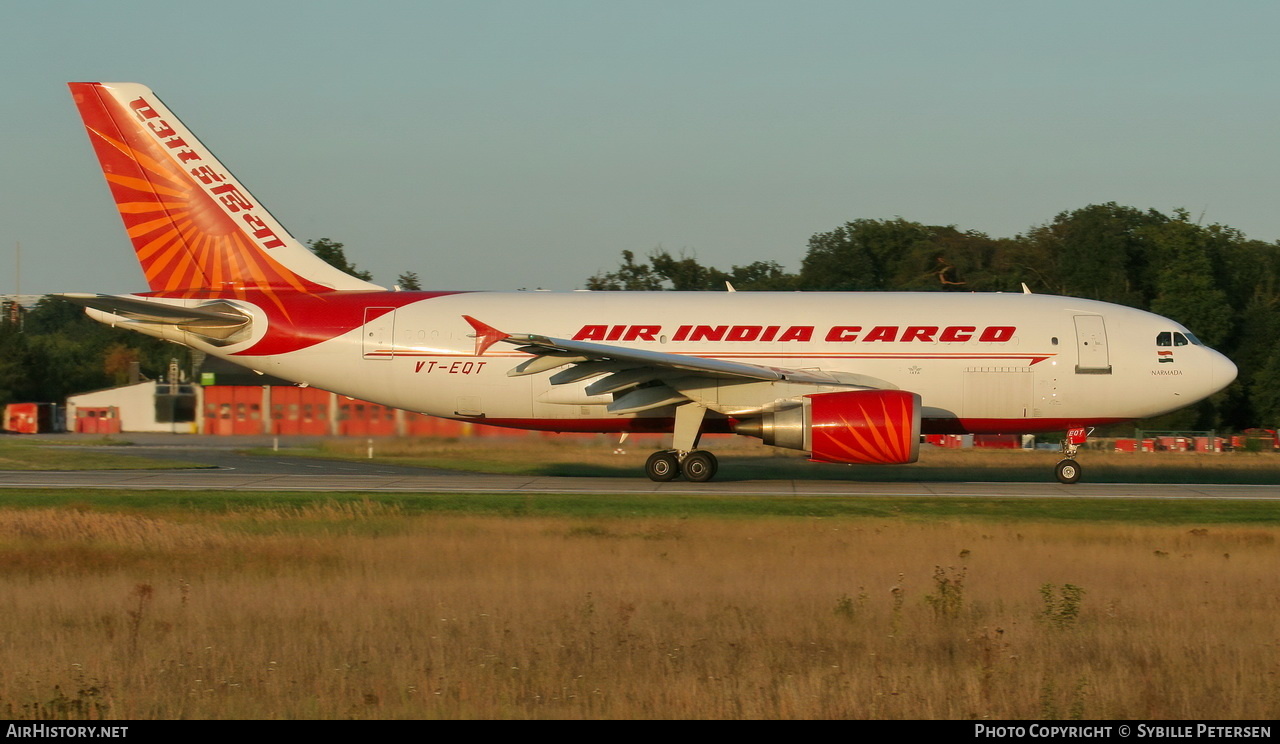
(1067, 469)
(698, 466)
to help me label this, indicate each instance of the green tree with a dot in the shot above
(409, 281)
(630, 277)
(864, 254)
(1265, 391)
(1249, 271)
(664, 271)
(1101, 252)
(17, 365)
(118, 362)
(331, 253)
(1256, 332)
(1186, 288)
(951, 260)
(763, 276)
(685, 273)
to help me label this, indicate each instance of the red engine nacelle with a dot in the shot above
(871, 426)
(860, 426)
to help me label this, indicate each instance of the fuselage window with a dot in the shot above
(1164, 339)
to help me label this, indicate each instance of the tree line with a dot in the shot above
(1211, 278)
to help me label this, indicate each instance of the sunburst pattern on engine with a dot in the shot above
(865, 426)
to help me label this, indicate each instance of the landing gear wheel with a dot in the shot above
(700, 466)
(1068, 471)
(662, 466)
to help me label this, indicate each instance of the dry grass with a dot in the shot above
(361, 611)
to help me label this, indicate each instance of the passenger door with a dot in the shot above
(1091, 346)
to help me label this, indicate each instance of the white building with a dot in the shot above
(145, 406)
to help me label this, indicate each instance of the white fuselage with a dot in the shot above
(980, 362)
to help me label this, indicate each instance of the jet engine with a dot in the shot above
(859, 426)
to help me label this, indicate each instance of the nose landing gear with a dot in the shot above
(1067, 469)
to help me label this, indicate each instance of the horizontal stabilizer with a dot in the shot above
(215, 315)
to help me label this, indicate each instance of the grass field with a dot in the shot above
(28, 454)
(166, 605)
(196, 504)
(366, 610)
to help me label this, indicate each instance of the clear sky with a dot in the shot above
(493, 144)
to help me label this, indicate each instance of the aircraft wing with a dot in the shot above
(641, 379)
(562, 351)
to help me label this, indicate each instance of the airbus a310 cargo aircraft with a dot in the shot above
(847, 377)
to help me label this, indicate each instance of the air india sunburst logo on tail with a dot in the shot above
(192, 225)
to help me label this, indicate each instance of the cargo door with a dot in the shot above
(1003, 393)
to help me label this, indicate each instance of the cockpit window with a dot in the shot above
(1177, 338)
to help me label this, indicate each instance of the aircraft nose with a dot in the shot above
(1222, 371)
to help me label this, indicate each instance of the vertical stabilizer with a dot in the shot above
(193, 225)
